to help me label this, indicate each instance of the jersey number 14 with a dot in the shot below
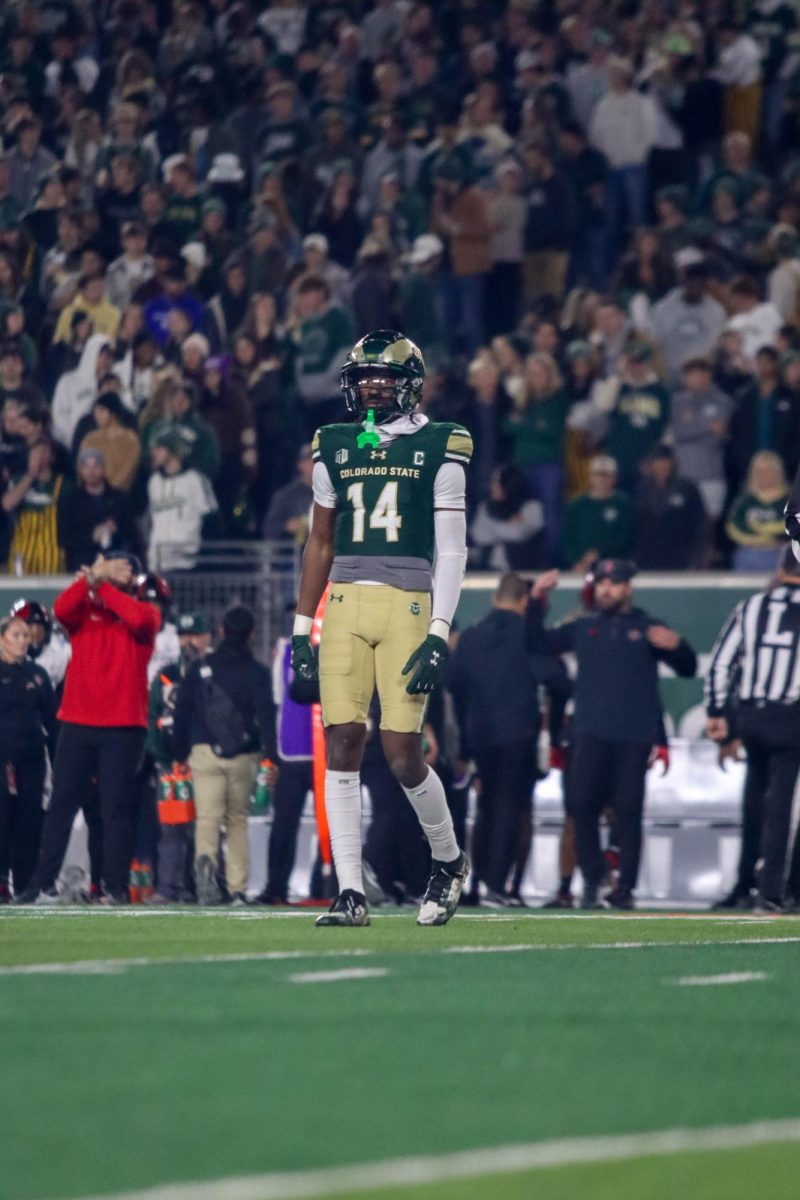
(383, 516)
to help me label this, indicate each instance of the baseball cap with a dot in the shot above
(426, 247)
(618, 570)
(193, 623)
(316, 241)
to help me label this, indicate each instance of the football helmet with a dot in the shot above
(383, 372)
(154, 589)
(34, 613)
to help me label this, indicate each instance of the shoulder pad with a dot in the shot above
(459, 445)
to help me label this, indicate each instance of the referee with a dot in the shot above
(753, 693)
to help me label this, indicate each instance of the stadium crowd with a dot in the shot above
(586, 216)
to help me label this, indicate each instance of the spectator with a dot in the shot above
(757, 322)
(420, 289)
(598, 524)
(617, 714)
(28, 161)
(739, 71)
(27, 731)
(766, 416)
(224, 716)
(549, 226)
(226, 407)
(754, 522)
(290, 508)
(669, 516)
(316, 262)
(637, 404)
(700, 413)
(117, 442)
(103, 718)
(508, 211)
(180, 416)
(323, 333)
(31, 502)
(623, 130)
(93, 518)
(586, 170)
(508, 527)
(179, 499)
(133, 267)
(374, 291)
(460, 217)
(687, 321)
(226, 311)
(535, 429)
(92, 300)
(174, 296)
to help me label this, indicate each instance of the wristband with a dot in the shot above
(440, 628)
(302, 626)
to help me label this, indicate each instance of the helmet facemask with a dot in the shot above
(384, 389)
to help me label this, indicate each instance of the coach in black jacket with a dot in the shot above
(224, 716)
(617, 718)
(494, 680)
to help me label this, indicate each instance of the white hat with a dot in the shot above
(316, 241)
(687, 256)
(425, 247)
(195, 255)
(226, 168)
(174, 160)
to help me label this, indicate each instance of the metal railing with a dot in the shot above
(262, 575)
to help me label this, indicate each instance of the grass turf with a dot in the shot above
(196, 1070)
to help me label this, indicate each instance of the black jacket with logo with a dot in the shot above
(616, 689)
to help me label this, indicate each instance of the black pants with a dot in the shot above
(294, 784)
(395, 846)
(507, 774)
(21, 790)
(602, 773)
(771, 736)
(112, 756)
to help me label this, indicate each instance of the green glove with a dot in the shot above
(427, 663)
(304, 660)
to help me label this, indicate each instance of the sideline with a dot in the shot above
(467, 1164)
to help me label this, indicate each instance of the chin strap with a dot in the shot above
(368, 436)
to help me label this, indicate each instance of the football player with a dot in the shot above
(389, 532)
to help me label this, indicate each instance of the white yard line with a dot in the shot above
(468, 1164)
(116, 965)
(715, 980)
(340, 976)
(241, 914)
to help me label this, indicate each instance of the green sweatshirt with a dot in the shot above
(636, 426)
(537, 434)
(754, 522)
(602, 525)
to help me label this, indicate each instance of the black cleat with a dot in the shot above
(619, 898)
(443, 891)
(764, 905)
(349, 908)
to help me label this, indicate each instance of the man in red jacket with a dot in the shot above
(103, 718)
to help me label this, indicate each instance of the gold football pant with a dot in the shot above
(368, 634)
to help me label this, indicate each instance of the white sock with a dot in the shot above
(429, 803)
(343, 806)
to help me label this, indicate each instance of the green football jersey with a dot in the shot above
(385, 498)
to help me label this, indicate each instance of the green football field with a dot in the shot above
(246, 1055)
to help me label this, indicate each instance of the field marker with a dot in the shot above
(340, 976)
(712, 980)
(118, 965)
(468, 1164)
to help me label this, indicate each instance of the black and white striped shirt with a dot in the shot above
(758, 647)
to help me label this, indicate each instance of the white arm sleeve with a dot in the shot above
(449, 487)
(324, 493)
(448, 569)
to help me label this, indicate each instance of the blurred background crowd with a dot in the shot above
(586, 215)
